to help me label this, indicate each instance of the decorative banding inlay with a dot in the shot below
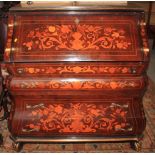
(76, 84)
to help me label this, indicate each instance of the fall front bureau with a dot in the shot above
(76, 75)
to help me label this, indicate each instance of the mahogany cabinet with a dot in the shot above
(76, 74)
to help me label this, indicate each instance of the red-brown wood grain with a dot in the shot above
(54, 117)
(76, 73)
(76, 69)
(76, 36)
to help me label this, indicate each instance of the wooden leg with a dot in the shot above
(63, 146)
(136, 145)
(95, 146)
(17, 146)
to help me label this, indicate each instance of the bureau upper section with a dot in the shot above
(42, 36)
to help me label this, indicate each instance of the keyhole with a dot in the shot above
(76, 21)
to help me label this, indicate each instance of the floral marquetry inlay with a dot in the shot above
(75, 69)
(76, 37)
(75, 84)
(77, 118)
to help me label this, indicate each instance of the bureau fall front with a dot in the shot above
(76, 75)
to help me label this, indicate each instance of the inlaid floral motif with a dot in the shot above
(76, 37)
(72, 84)
(75, 69)
(78, 118)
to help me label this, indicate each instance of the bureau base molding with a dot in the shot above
(135, 141)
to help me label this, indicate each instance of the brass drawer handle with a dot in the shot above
(133, 70)
(20, 70)
(29, 3)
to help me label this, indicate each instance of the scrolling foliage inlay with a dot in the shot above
(72, 84)
(76, 37)
(77, 69)
(77, 118)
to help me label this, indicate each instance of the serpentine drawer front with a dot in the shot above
(77, 84)
(71, 69)
(76, 74)
(35, 117)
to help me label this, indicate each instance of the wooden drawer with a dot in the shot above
(35, 116)
(78, 69)
(76, 84)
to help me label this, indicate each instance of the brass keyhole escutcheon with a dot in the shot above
(76, 21)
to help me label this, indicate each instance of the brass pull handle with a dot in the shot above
(76, 21)
(20, 70)
(29, 3)
(133, 70)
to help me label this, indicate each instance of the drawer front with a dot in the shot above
(74, 69)
(48, 117)
(76, 36)
(49, 84)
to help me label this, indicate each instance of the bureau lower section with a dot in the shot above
(54, 117)
(46, 109)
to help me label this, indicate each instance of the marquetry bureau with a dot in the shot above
(76, 74)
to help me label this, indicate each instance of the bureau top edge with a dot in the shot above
(128, 43)
(78, 8)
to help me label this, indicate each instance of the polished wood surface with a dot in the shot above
(76, 73)
(76, 69)
(85, 38)
(46, 117)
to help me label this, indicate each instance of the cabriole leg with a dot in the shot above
(17, 146)
(136, 145)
